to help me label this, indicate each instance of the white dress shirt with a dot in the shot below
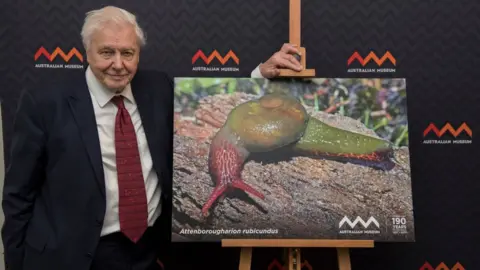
(105, 112)
(256, 73)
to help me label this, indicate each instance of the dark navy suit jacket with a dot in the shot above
(54, 193)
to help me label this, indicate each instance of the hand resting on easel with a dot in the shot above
(288, 57)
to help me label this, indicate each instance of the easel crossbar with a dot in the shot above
(298, 243)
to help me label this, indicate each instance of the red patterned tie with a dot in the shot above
(133, 212)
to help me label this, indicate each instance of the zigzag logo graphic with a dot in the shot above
(160, 263)
(371, 56)
(276, 265)
(442, 266)
(58, 52)
(448, 127)
(358, 220)
(215, 55)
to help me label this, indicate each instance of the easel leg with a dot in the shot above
(245, 258)
(343, 255)
(290, 259)
(299, 261)
(294, 259)
(286, 256)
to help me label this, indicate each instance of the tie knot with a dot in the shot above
(118, 100)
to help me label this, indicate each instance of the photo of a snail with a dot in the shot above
(322, 158)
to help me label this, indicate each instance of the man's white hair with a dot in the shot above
(95, 20)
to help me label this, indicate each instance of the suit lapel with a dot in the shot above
(82, 109)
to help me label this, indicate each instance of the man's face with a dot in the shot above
(113, 55)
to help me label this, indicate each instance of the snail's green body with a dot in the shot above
(275, 121)
(323, 139)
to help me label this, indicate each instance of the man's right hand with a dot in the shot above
(284, 58)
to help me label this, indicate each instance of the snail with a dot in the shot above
(274, 121)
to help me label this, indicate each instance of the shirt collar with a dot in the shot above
(101, 93)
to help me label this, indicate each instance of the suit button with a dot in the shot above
(89, 255)
(98, 222)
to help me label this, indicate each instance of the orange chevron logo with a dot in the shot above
(58, 52)
(448, 127)
(215, 55)
(371, 56)
(442, 266)
(276, 265)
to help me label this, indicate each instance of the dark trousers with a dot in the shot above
(117, 252)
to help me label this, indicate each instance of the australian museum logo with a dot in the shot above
(58, 58)
(215, 61)
(359, 226)
(371, 62)
(447, 134)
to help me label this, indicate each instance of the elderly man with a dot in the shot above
(89, 185)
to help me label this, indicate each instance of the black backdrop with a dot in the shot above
(436, 47)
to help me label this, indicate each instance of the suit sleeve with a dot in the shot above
(22, 179)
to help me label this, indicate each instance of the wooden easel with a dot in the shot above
(294, 253)
(294, 36)
(293, 246)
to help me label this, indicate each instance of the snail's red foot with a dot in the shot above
(217, 192)
(240, 184)
(221, 189)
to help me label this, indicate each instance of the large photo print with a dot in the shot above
(321, 158)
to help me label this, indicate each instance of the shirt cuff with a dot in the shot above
(256, 72)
